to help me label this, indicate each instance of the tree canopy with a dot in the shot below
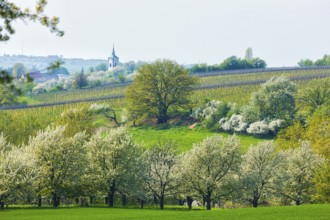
(157, 87)
(275, 100)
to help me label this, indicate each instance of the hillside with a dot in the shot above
(42, 62)
(234, 86)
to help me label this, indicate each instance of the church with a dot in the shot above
(113, 61)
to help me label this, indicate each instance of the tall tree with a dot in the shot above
(18, 70)
(114, 160)
(209, 166)
(61, 160)
(260, 164)
(8, 96)
(80, 80)
(161, 161)
(295, 179)
(17, 170)
(158, 87)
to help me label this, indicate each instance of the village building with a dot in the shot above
(113, 61)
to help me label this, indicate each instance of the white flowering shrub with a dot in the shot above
(210, 108)
(275, 125)
(224, 124)
(39, 88)
(212, 111)
(263, 127)
(235, 124)
(99, 108)
(258, 128)
(49, 85)
(124, 116)
(197, 114)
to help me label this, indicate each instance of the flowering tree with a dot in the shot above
(209, 166)
(8, 173)
(61, 160)
(295, 179)
(114, 161)
(161, 161)
(260, 164)
(16, 169)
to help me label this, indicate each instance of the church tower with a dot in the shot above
(113, 60)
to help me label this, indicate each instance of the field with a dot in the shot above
(308, 212)
(184, 137)
(221, 87)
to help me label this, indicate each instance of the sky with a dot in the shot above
(188, 31)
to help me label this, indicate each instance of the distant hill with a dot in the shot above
(41, 62)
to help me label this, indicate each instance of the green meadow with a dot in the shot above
(303, 212)
(183, 136)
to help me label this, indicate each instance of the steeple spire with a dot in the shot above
(113, 49)
(113, 60)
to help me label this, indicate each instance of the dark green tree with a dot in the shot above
(80, 80)
(19, 70)
(158, 87)
(315, 96)
(306, 62)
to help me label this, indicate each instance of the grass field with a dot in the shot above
(304, 212)
(184, 137)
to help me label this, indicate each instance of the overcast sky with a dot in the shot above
(188, 31)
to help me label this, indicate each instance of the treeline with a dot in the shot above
(324, 61)
(231, 63)
(59, 166)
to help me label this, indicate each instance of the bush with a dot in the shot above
(234, 124)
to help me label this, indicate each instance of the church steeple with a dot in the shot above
(113, 60)
(113, 50)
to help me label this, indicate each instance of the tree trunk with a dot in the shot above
(124, 199)
(208, 201)
(141, 203)
(28, 200)
(56, 200)
(161, 201)
(91, 199)
(111, 195)
(255, 203)
(162, 116)
(161, 120)
(111, 199)
(39, 201)
(155, 199)
(189, 202)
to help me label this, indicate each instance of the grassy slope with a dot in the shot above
(184, 137)
(309, 212)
